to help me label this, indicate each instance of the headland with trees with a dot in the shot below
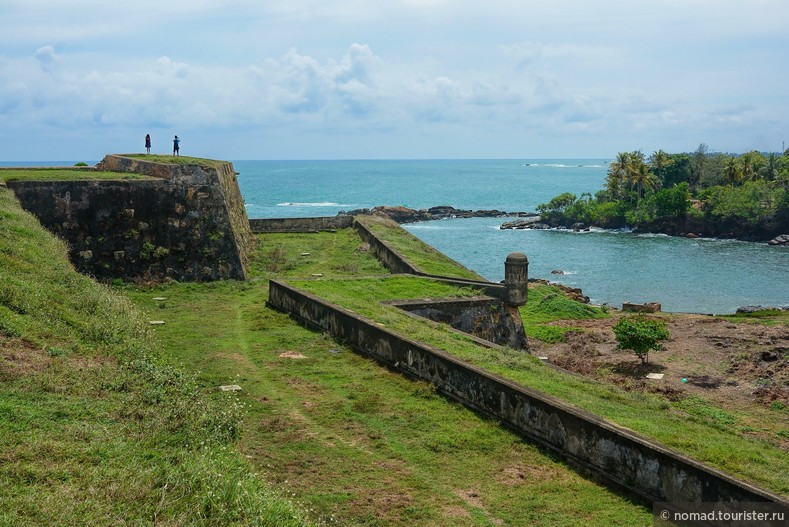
(703, 193)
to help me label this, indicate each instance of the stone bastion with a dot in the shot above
(186, 222)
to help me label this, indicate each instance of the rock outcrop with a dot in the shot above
(782, 240)
(407, 215)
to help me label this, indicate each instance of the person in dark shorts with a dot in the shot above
(176, 146)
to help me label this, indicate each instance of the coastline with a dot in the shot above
(531, 220)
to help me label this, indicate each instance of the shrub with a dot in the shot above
(640, 334)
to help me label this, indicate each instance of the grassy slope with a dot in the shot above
(356, 443)
(95, 430)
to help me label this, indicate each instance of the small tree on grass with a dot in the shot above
(640, 334)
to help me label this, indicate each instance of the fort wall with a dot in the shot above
(187, 224)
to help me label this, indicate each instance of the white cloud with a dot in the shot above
(495, 75)
(47, 59)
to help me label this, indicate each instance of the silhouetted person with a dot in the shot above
(176, 146)
(148, 143)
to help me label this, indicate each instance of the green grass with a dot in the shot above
(96, 429)
(422, 256)
(685, 428)
(356, 443)
(177, 160)
(61, 174)
(764, 316)
(548, 304)
(328, 254)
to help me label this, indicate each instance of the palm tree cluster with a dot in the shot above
(630, 172)
(749, 191)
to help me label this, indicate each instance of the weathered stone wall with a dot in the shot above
(397, 263)
(613, 454)
(388, 256)
(485, 317)
(188, 224)
(323, 223)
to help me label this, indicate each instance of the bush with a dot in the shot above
(640, 334)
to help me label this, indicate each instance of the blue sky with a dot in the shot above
(355, 79)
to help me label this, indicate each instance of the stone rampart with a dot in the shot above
(398, 264)
(595, 446)
(317, 224)
(188, 224)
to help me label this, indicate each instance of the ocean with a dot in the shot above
(684, 275)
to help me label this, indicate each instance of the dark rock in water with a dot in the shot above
(557, 271)
(408, 215)
(754, 309)
(579, 227)
(782, 240)
(528, 223)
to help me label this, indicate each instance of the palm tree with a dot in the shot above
(641, 177)
(659, 161)
(748, 170)
(617, 175)
(731, 171)
(770, 169)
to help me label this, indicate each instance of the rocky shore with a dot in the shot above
(536, 222)
(532, 220)
(408, 215)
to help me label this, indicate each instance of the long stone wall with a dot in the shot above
(187, 224)
(317, 224)
(602, 449)
(397, 263)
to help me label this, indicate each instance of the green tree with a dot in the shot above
(698, 165)
(659, 162)
(747, 166)
(554, 210)
(731, 171)
(640, 334)
(641, 177)
(769, 170)
(617, 176)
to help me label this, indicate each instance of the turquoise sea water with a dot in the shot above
(684, 275)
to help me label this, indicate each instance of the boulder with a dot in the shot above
(782, 240)
(528, 223)
(648, 307)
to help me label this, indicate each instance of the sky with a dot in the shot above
(391, 79)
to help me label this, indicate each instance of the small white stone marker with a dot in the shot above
(654, 375)
(159, 298)
(292, 355)
(157, 322)
(230, 388)
(317, 274)
(543, 358)
(305, 254)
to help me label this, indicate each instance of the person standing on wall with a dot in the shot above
(148, 143)
(176, 146)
